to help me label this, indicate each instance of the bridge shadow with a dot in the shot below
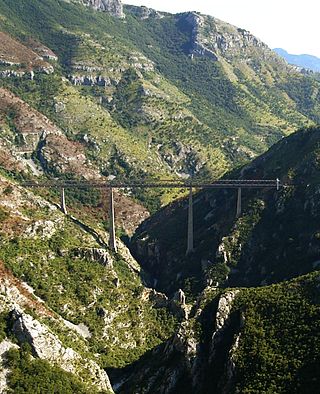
(97, 237)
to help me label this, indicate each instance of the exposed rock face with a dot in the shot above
(47, 346)
(15, 297)
(101, 256)
(222, 317)
(144, 12)
(14, 53)
(43, 228)
(159, 300)
(212, 37)
(185, 160)
(185, 341)
(114, 7)
(12, 73)
(60, 155)
(180, 297)
(178, 305)
(90, 80)
(197, 48)
(188, 362)
(22, 60)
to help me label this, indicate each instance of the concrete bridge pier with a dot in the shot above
(239, 208)
(63, 206)
(190, 247)
(112, 227)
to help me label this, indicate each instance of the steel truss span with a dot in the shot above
(238, 184)
(221, 183)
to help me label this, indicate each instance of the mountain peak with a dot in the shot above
(114, 7)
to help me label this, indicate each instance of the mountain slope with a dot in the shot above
(276, 236)
(75, 303)
(157, 94)
(240, 341)
(86, 94)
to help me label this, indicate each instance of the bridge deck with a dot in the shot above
(161, 184)
(224, 183)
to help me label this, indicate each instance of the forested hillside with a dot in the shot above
(274, 238)
(96, 91)
(150, 94)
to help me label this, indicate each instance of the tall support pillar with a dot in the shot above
(190, 223)
(112, 228)
(63, 206)
(239, 203)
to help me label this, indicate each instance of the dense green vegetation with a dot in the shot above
(3, 325)
(91, 293)
(153, 111)
(158, 101)
(266, 244)
(39, 93)
(31, 376)
(280, 342)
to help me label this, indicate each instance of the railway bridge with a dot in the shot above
(237, 184)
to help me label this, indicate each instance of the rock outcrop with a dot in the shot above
(213, 38)
(222, 317)
(191, 361)
(17, 55)
(101, 256)
(197, 47)
(178, 305)
(159, 300)
(90, 80)
(113, 7)
(144, 12)
(15, 297)
(47, 346)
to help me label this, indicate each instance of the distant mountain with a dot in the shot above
(305, 61)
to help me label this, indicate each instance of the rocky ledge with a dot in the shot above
(113, 7)
(212, 38)
(47, 346)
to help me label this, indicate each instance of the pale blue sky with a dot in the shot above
(292, 25)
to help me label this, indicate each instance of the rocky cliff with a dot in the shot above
(113, 7)
(213, 350)
(212, 37)
(60, 315)
(16, 298)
